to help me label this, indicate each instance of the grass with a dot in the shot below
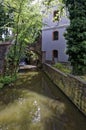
(62, 67)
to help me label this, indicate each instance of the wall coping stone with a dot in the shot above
(77, 78)
(5, 43)
(70, 75)
(56, 69)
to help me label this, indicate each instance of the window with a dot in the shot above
(55, 53)
(55, 35)
(56, 16)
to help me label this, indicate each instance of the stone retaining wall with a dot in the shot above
(3, 51)
(72, 87)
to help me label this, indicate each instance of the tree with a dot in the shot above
(76, 35)
(26, 26)
(5, 20)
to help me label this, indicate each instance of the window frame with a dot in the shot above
(54, 35)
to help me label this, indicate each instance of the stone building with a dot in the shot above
(53, 41)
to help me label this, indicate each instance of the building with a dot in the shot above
(53, 41)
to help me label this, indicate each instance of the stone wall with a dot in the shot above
(71, 86)
(3, 51)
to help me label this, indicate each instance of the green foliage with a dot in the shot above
(76, 35)
(6, 20)
(7, 80)
(62, 68)
(25, 21)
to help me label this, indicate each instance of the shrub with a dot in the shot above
(7, 80)
(62, 67)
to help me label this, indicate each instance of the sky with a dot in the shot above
(35, 1)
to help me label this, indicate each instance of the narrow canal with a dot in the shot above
(34, 103)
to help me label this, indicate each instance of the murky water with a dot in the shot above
(34, 103)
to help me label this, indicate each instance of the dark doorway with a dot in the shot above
(55, 55)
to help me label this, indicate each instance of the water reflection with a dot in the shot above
(37, 115)
(35, 104)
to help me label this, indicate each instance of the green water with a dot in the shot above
(34, 103)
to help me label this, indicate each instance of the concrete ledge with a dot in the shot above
(5, 43)
(73, 87)
(25, 68)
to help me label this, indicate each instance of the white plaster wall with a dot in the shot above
(48, 20)
(48, 44)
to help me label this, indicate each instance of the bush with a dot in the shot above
(62, 67)
(7, 80)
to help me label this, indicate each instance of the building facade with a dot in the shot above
(53, 41)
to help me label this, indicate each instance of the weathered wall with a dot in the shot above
(48, 44)
(3, 51)
(72, 87)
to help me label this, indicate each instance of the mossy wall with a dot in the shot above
(74, 88)
(3, 50)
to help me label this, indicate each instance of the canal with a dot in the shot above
(35, 103)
